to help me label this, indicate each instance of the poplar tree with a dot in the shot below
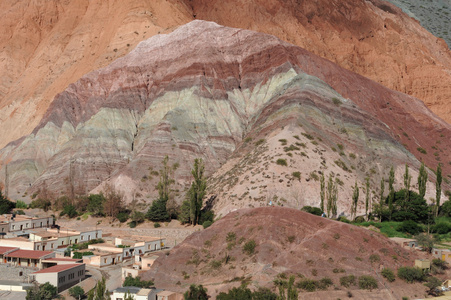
(322, 191)
(381, 198)
(330, 191)
(438, 188)
(355, 200)
(407, 179)
(367, 198)
(391, 196)
(422, 180)
(197, 190)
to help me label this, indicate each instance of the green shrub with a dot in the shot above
(347, 281)
(283, 142)
(367, 282)
(310, 137)
(296, 175)
(422, 150)
(308, 285)
(374, 258)
(336, 101)
(69, 210)
(411, 274)
(344, 219)
(77, 292)
(410, 227)
(249, 247)
(207, 224)
(156, 225)
(324, 283)
(388, 274)
(132, 224)
(122, 217)
(359, 219)
(20, 212)
(259, 142)
(231, 237)
(282, 162)
(136, 281)
(313, 210)
(441, 228)
(20, 204)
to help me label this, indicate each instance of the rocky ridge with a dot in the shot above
(116, 124)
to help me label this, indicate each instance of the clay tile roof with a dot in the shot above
(57, 268)
(34, 254)
(4, 250)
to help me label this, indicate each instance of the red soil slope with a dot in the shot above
(287, 241)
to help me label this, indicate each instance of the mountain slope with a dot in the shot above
(286, 241)
(202, 91)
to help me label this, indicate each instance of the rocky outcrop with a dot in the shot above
(285, 241)
(213, 92)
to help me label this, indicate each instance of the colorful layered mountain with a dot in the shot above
(47, 45)
(238, 99)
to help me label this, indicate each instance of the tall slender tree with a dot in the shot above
(391, 196)
(438, 188)
(330, 191)
(407, 179)
(355, 200)
(322, 191)
(197, 190)
(422, 180)
(367, 196)
(165, 182)
(381, 199)
(334, 200)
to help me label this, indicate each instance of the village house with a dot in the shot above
(62, 276)
(443, 254)
(405, 243)
(19, 224)
(168, 295)
(136, 292)
(119, 249)
(27, 258)
(47, 239)
(141, 263)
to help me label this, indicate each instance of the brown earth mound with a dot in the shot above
(287, 241)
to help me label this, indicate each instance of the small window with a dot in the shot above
(81, 238)
(14, 226)
(104, 260)
(38, 247)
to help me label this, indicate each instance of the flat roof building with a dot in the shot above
(61, 276)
